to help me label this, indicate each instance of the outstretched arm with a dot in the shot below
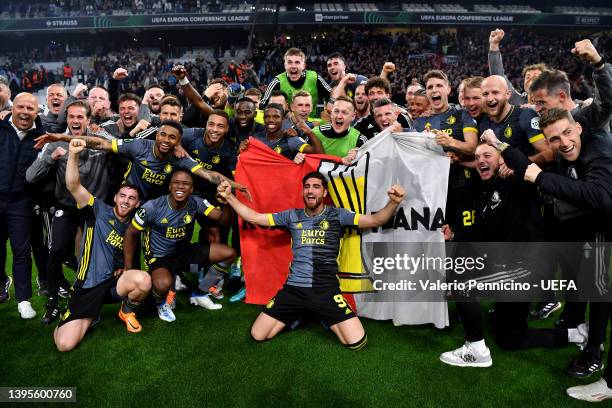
(247, 213)
(91, 142)
(73, 179)
(396, 194)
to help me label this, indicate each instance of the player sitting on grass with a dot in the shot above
(100, 278)
(312, 285)
(167, 223)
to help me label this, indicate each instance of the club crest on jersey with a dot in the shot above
(168, 168)
(324, 224)
(187, 218)
(428, 126)
(216, 159)
(451, 120)
(508, 132)
(278, 149)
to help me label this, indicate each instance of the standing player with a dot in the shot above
(312, 285)
(151, 162)
(167, 223)
(297, 78)
(336, 68)
(378, 88)
(100, 278)
(519, 127)
(456, 132)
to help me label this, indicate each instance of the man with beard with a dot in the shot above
(297, 78)
(507, 210)
(312, 285)
(519, 127)
(377, 88)
(496, 67)
(336, 68)
(167, 223)
(153, 97)
(456, 132)
(56, 96)
(100, 278)
(17, 152)
(215, 97)
(244, 124)
(68, 217)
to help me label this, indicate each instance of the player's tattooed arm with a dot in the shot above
(217, 178)
(91, 142)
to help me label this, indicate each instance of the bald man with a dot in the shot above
(17, 133)
(56, 96)
(519, 127)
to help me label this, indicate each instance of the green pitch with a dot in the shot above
(206, 358)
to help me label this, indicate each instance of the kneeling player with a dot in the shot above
(99, 277)
(167, 223)
(312, 285)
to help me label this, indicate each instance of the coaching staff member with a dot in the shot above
(17, 133)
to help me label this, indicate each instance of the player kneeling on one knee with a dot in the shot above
(100, 278)
(312, 285)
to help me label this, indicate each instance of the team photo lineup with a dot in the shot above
(145, 183)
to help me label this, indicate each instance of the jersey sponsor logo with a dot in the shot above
(164, 221)
(535, 123)
(278, 149)
(313, 237)
(111, 222)
(144, 162)
(115, 240)
(216, 159)
(154, 178)
(508, 132)
(451, 120)
(176, 233)
(187, 218)
(572, 173)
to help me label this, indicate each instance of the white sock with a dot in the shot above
(574, 336)
(479, 346)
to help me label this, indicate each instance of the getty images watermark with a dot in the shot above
(504, 271)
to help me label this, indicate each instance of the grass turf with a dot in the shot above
(206, 358)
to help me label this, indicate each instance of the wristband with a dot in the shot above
(501, 146)
(600, 63)
(183, 81)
